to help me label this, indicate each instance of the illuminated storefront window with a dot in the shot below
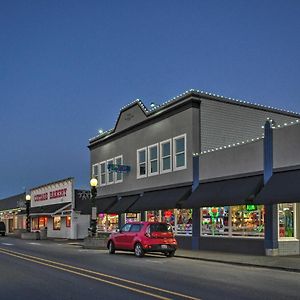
(183, 224)
(107, 222)
(56, 223)
(215, 220)
(248, 220)
(286, 218)
(242, 220)
(153, 216)
(39, 223)
(68, 221)
(132, 217)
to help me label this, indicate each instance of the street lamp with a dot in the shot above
(28, 198)
(93, 183)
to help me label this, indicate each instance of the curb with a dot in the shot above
(240, 263)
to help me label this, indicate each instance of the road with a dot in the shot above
(59, 270)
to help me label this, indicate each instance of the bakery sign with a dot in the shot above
(53, 193)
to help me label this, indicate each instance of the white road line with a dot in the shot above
(7, 244)
(35, 244)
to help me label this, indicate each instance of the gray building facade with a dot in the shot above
(151, 163)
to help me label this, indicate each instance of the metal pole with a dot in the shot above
(94, 210)
(27, 216)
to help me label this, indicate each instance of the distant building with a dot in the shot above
(197, 161)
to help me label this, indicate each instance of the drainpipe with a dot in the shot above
(271, 210)
(196, 211)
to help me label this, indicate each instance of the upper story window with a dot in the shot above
(153, 160)
(95, 173)
(142, 163)
(179, 147)
(102, 173)
(110, 173)
(165, 156)
(118, 175)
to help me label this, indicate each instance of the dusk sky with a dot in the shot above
(67, 67)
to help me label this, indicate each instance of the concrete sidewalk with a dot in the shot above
(286, 263)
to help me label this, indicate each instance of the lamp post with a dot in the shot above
(93, 183)
(28, 198)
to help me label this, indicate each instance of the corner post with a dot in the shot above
(196, 211)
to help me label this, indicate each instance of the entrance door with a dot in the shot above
(10, 225)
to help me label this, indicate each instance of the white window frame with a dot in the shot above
(111, 160)
(138, 175)
(174, 152)
(149, 160)
(161, 157)
(95, 175)
(100, 174)
(115, 175)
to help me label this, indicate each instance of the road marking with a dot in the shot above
(35, 244)
(61, 266)
(7, 244)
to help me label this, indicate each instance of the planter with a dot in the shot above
(95, 243)
(30, 236)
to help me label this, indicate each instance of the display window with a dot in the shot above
(215, 220)
(286, 220)
(132, 217)
(153, 216)
(241, 220)
(168, 216)
(68, 221)
(247, 220)
(38, 223)
(183, 224)
(107, 222)
(56, 223)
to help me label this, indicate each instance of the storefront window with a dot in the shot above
(132, 217)
(35, 223)
(215, 220)
(248, 220)
(286, 214)
(183, 221)
(153, 216)
(56, 223)
(168, 216)
(68, 221)
(39, 223)
(107, 222)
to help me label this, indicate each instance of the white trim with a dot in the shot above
(174, 152)
(149, 160)
(108, 173)
(93, 174)
(115, 175)
(161, 157)
(100, 174)
(138, 176)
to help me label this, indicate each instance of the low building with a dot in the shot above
(12, 212)
(60, 209)
(200, 162)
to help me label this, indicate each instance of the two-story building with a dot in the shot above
(185, 162)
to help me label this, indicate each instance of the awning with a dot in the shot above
(48, 209)
(235, 191)
(162, 199)
(103, 204)
(283, 187)
(123, 204)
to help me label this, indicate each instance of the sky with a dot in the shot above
(67, 67)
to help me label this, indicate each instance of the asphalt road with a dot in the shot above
(58, 270)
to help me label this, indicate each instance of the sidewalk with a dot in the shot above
(286, 263)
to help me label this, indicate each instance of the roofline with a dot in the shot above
(54, 182)
(186, 95)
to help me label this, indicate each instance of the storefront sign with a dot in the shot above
(118, 168)
(51, 195)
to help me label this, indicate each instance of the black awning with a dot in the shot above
(283, 187)
(123, 204)
(47, 209)
(235, 191)
(103, 204)
(162, 199)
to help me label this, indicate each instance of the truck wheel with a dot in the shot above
(138, 250)
(111, 247)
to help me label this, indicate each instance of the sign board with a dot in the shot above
(53, 193)
(118, 168)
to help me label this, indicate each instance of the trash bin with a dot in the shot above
(43, 233)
